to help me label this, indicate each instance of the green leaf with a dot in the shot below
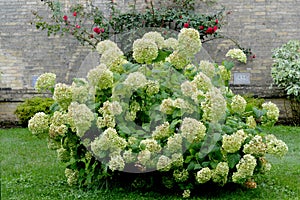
(233, 159)
(197, 166)
(191, 166)
(228, 65)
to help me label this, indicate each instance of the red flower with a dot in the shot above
(74, 13)
(186, 25)
(215, 28)
(180, 16)
(201, 27)
(97, 30)
(77, 26)
(210, 30)
(254, 56)
(217, 21)
(65, 17)
(102, 30)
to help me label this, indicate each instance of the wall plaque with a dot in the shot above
(240, 78)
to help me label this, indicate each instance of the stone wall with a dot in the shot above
(25, 52)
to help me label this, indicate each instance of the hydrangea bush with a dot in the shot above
(175, 121)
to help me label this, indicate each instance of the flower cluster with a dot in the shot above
(255, 147)
(72, 176)
(275, 146)
(237, 54)
(245, 168)
(144, 50)
(189, 42)
(161, 131)
(192, 130)
(203, 175)
(232, 143)
(45, 82)
(207, 68)
(238, 104)
(100, 77)
(63, 95)
(39, 123)
(109, 141)
(156, 37)
(272, 113)
(220, 174)
(82, 117)
(171, 43)
(214, 107)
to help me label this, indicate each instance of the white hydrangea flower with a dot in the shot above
(214, 106)
(111, 108)
(167, 106)
(177, 160)
(151, 145)
(256, 146)
(250, 121)
(171, 43)
(162, 131)
(275, 146)
(220, 173)
(156, 37)
(192, 129)
(272, 113)
(80, 91)
(180, 175)
(164, 163)
(203, 175)
(135, 80)
(57, 130)
(186, 194)
(106, 45)
(245, 168)
(237, 54)
(224, 73)
(144, 157)
(179, 61)
(63, 95)
(207, 68)
(232, 143)
(39, 123)
(72, 176)
(82, 117)
(45, 82)
(129, 156)
(116, 163)
(188, 88)
(144, 50)
(152, 88)
(100, 77)
(189, 42)
(174, 144)
(202, 82)
(238, 104)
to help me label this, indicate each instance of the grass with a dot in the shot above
(30, 171)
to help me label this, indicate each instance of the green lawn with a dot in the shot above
(30, 171)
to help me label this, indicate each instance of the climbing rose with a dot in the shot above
(186, 25)
(217, 21)
(65, 17)
(209, 30)
(201, 27)
(74, 13)
(97, 30)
